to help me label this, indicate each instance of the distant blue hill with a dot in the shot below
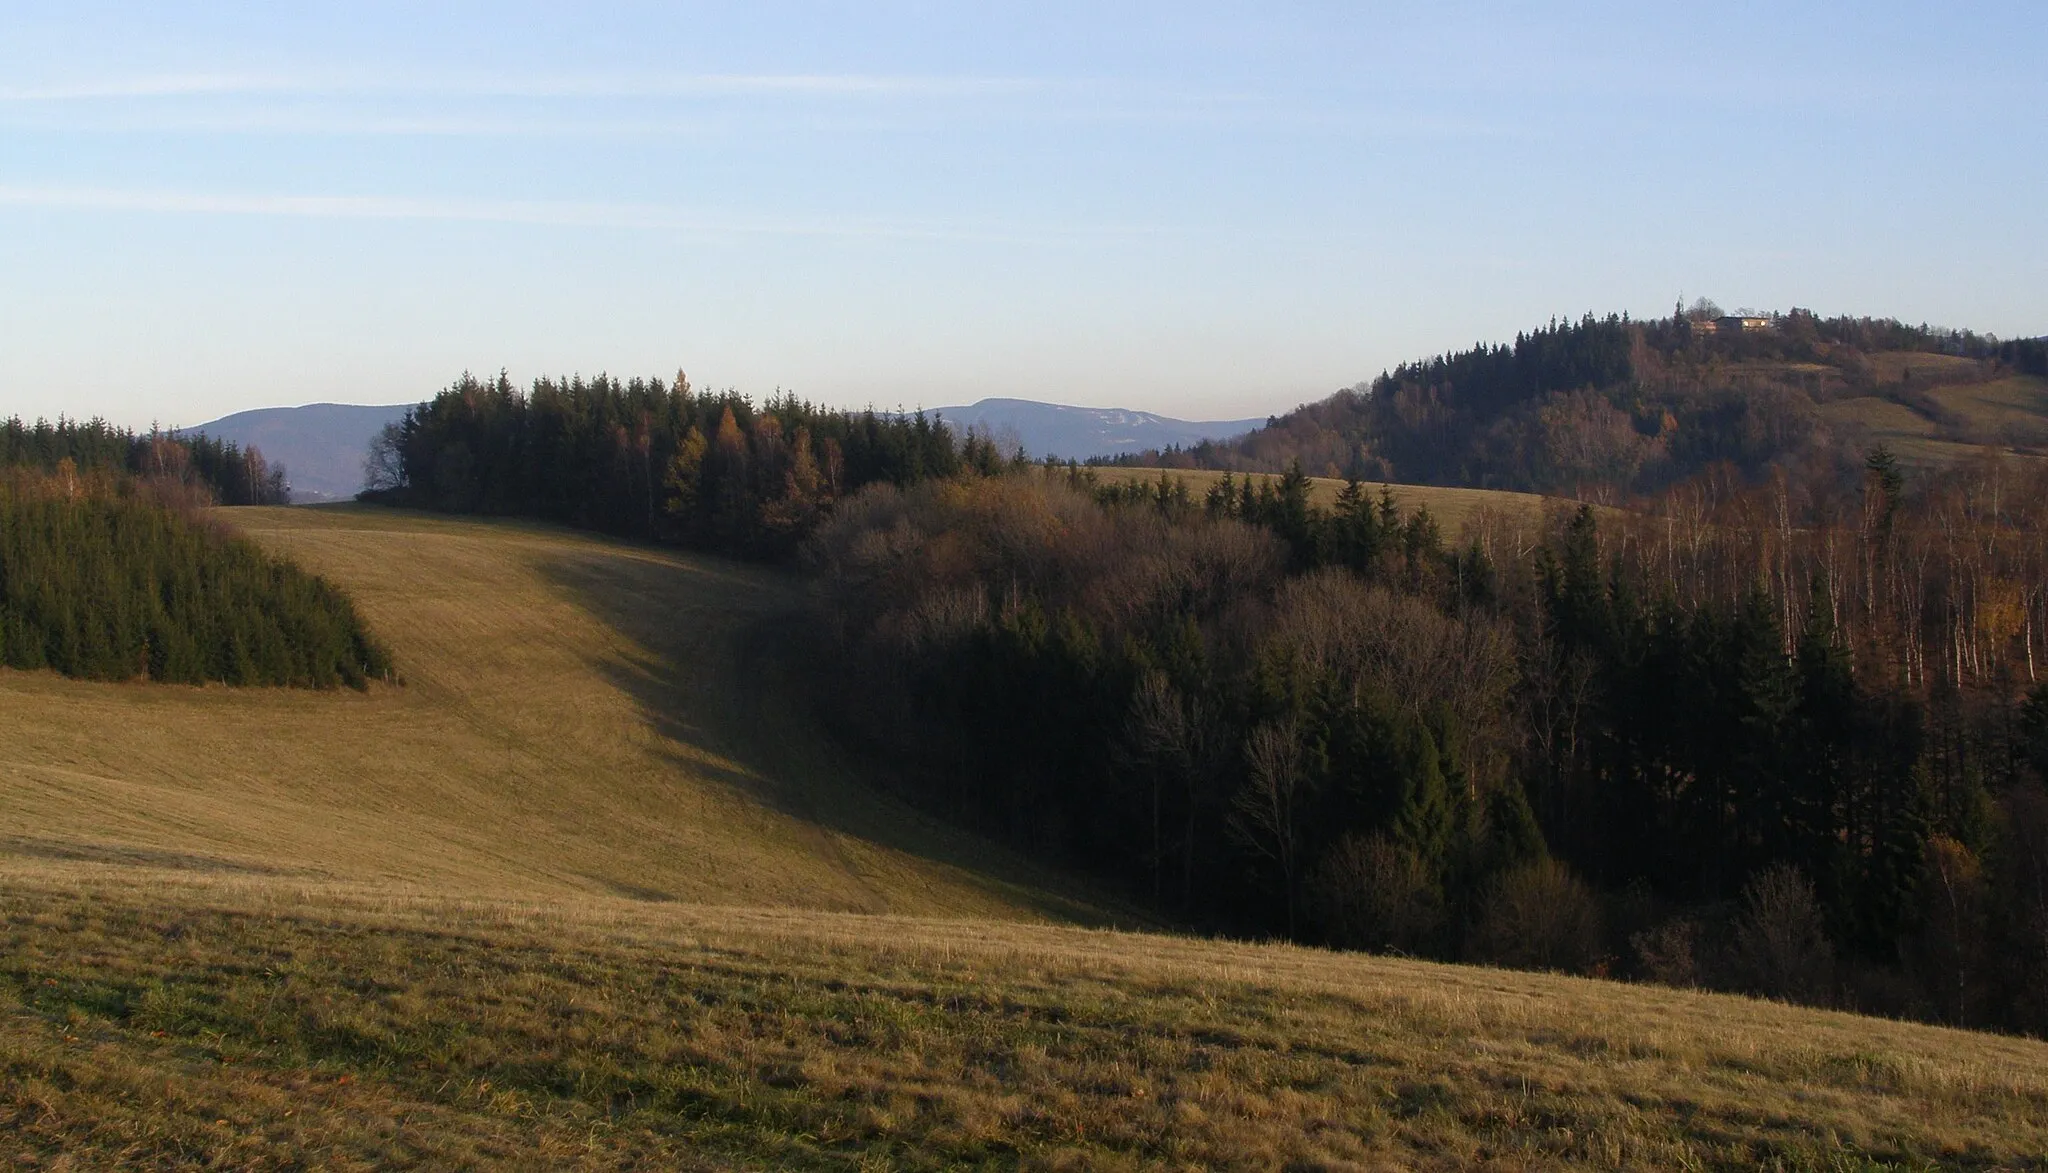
(321, 445)
(1077, 433)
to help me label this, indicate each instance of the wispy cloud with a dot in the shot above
(553, 213)
(703, 85)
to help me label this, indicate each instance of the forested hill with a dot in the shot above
(1607, 408)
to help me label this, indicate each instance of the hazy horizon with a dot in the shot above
(1188, 211)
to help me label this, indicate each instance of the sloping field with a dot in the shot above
(490, 920)
(1884, 418)
(1987, 416)
(1915, 366)
(2009, 409)
(1451, 507)
(193, 1019)
(578, 717)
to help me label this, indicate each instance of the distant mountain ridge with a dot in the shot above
(320, 445)
(1077, 433)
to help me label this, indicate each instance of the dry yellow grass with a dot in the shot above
(1451, 507)
(1882, 417)
(1990, 413)
(2020, 400)
(1893, 366)
(168, 1018)
(579, 716)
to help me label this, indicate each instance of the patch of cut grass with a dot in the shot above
(579, 716)
(1882, 417)
(191, 1018)
(1451, 507)
(2012, 407)
(1920, 367)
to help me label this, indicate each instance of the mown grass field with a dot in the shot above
(1950, 422)
(587, 892)
(2016, 405)
(195, 1019)
(578, 717)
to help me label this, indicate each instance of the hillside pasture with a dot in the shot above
(166, 1018)
(2010, 410)
(577, 717)
(1920, 368)
(1451, 507)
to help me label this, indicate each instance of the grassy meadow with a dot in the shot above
(578, 717)
(189, 1018)
(1947, 423)
(586, 891)
(1451, 507)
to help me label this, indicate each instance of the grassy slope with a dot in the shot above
(579, 717)
(1995, 413)
(240, 1023)
(273, 930)
(1451, 507)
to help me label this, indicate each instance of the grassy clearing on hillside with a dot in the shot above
(1919, 366)
(2009, 408)
(1451, 507)
(579, 716)
(1881, 416)
(155, 1020)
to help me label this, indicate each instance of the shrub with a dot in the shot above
(1538, 916)
(1369, 893)
(1781, 947)
(1668, 954)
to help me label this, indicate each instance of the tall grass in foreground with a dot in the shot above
(169, 1022)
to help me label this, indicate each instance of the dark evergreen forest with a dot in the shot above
(113, 577)
(655, 460)
(1782, 737)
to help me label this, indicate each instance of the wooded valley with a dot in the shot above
(1778, 726)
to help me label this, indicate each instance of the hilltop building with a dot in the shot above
(1740, 324)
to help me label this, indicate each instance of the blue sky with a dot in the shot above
(1201, 210)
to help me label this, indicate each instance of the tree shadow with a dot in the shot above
(716, 663)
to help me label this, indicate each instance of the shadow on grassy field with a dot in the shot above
(753, 715)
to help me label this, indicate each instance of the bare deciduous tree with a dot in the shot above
(1269, 805)
(384, 463)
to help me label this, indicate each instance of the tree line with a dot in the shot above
(655, 460)
(1787, 737)
(108, 576)
(217, 471)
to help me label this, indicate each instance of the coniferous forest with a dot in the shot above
(110, 571)
(1778, 726)
(654, 460)
(203, 468)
